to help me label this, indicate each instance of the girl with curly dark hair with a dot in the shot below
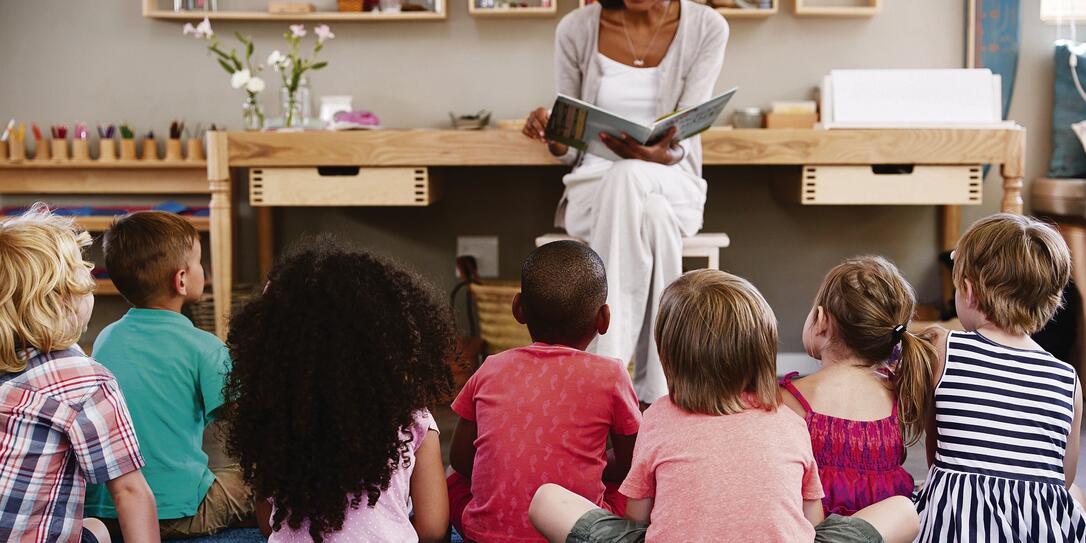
(334, 365)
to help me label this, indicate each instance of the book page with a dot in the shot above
(694, 120)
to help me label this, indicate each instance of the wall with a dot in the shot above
(102, 61)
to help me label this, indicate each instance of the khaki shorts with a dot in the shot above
(228, 502)
(600, 526)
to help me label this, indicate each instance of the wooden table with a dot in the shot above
(1005, 147)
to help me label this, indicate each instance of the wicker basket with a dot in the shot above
(202, 312)
(497, 327)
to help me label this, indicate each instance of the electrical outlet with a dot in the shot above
(485, 251)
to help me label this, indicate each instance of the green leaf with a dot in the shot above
(318, 65)
(229, 69)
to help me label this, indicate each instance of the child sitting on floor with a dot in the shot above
(873, 384)
(542, 413)
(716, 458)
(1003, 439)
(334, 365)
(171, 374)
(63, 420)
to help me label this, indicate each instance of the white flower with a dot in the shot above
(298, 31)
(203, 30)
(188, 29)
(240, 78)
(255, 85)
(275, 58)
(323, 33)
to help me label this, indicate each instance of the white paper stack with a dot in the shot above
(947, 98)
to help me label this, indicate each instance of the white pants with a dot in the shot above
(634, 215)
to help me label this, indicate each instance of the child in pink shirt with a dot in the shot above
(717, 459)
(334, 365)
(542, 413)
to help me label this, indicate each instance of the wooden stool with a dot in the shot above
(704, 245)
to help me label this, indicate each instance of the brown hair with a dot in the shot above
(867, 298)
(42, 278)
(143, 250)
(1018, 266)
(717, 339)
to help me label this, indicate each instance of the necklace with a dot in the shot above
(638, 59)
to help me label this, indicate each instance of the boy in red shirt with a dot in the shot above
(542, 413)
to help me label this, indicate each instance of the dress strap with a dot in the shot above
(786, 382)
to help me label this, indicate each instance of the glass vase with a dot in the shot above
(252, 116)
(292, 108)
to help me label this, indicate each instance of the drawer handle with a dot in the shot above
(892, 169)
(338, 171)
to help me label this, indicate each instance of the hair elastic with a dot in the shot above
(899, 331)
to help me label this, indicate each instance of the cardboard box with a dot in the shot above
(790, 120)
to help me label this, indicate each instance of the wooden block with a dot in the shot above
(790, 120)
(290, 8)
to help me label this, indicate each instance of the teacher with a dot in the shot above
(640, 59)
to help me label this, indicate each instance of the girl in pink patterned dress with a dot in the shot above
(869, 399)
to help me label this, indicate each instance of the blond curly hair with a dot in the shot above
(43, 278)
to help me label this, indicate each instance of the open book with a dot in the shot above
(579, 124)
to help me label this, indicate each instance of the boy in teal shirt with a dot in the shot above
(171, 374)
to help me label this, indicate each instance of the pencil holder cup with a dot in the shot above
(128, 149)
(60, 150)
(150, 149)
(3, 150)
(195, 149)
(107, 150)
(41, 149)
(17, 150)
(80, 150)
(173, 149)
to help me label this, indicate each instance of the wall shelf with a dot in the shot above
(740, 13)
(152, 10)
(106, 288)
(870, 8)
(101, 224)
(513, 12)
(736, 13)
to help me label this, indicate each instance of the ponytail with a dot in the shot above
(913, 380)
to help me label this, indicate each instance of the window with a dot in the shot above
(1052, 10)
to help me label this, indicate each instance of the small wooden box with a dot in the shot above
(290, 8)
(790, 120)
(340, 186)
(891, 185)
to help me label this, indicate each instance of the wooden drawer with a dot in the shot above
(891, 185)
(339, 186)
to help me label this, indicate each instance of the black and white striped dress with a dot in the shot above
(1003, 417)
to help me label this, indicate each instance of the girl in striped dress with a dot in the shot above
(1004, 438)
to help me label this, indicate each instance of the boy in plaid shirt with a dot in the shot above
(63, 421)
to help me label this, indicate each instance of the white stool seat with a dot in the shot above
(704, 245)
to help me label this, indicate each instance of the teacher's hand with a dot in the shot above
(660, 152)
(535, 127)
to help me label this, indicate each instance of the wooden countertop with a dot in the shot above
(498, 147)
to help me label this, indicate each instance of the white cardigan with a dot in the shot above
(688, 72)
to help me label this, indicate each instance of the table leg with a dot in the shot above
(265, 239)
(1013, 170)
(950, 227)
(222, 266)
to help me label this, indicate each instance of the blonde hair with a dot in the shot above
(1018, 266)
(717, 339)
(867, 298)
(42, 279)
